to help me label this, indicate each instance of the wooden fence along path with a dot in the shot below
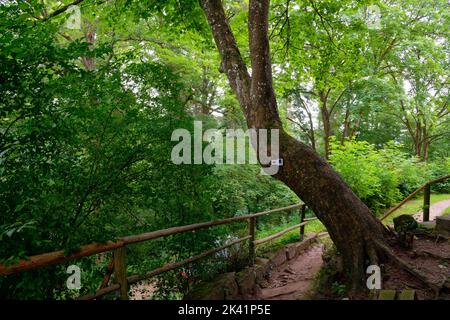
(118, 264)
(426, 199)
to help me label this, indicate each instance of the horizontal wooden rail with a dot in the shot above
(165, 268)
(197, 226)
(47, 259)
(439, 179)
(171, 266)
(51, 258)
(279, 234)
(122, 282)
(390, 211)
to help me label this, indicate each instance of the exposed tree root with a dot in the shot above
(436, 287)
(426, 253)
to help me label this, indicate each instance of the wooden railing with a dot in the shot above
(426, 199)
(118, 265)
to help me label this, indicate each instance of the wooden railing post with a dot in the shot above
(120, 272)
(302, 212)
(251, 244)
(426, 203)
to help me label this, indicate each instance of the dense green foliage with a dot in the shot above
(381, 177)
(86, 157)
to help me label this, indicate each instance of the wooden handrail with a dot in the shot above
(429, 183)
(279, 234)
(119, 260)
(171, 266)
(164, 268)
(197, 226)
(56, 257)
(439, 179)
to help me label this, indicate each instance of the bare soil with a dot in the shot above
(430, 257)
(293, 279)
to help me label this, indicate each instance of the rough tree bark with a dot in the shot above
(89, 35)
(357, 234)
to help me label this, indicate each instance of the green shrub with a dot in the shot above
(369, 172)
(439, 168)
(383, 176)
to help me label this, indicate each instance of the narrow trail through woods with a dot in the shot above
(436, 210)
(293, 279)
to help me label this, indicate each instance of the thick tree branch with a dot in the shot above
(305, 130)
(388, 48)
(62, 9)
(337, 101)
(443, 111)
(159, 42)
(262, 94)
(323, 21)
(232, 63)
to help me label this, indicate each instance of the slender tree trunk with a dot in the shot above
(325, 122)
(425, 150)
(346, 131)
(356, 232)
(207, 92)
(89, 35)
(355, 126)
(417, 140)
(425, 143)
(312, 134)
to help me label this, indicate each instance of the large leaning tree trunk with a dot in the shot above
(358, 235)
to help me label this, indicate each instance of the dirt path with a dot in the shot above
(293, 279)
(436, 210)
